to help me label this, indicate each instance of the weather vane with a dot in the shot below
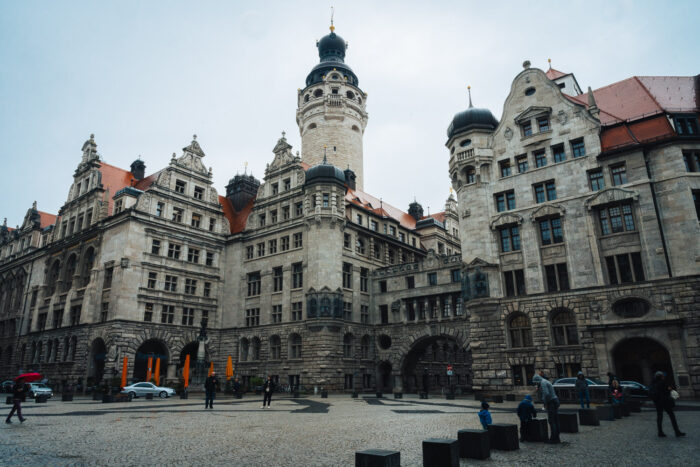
(332, 12)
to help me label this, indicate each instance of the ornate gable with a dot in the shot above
(547, 210)
(611, 195)
(531, 112)
(283, 155)
(506, 219)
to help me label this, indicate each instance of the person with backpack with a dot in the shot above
(660, 393)
(526, 412)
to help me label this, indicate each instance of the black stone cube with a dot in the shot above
(625, 409)
(355, 395)
(324, 394)
(617, 410)
(398, 395)
(450, 395)
(377, 458)
(379, 395)
(295, 394)
(96, 396)
(606, 412)
(107, 398)
(440, 452)
(635, 406)
(510, 397)
(536, 430)
(423, 395)
(41, 399)
(588, 417)
(474, 444)
(67, 397)
(504, 436)
(498, 399)
(184, 395)
(568, 423)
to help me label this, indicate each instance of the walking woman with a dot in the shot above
(582, 389)
(267, 392)
(18, 395)
(660, 393)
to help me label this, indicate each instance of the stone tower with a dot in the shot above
(331, 110)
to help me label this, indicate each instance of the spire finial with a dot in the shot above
(469, 90)
(194, 137)
(284, 133)
(245, 168)
(549, 60)
(332, 28)
(324, 154)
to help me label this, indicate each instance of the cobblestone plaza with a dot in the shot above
(308, 432)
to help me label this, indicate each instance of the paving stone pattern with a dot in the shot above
(309, 432)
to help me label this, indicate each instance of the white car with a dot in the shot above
(141, 389)
(38, 389)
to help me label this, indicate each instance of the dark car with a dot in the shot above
(7, 386)
(636, 390)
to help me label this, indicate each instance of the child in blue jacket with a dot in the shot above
(526, 412)
(485, 416)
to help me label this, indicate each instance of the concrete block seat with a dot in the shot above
(568, 422)
(504, 436)
(440, 452)
(377, 458)
(474, 444)
(606, 412)
(537, 430)
(588, 417)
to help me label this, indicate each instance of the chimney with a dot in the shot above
(138, 168)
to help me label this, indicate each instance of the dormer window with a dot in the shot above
(118, 207)
(180, 186)
(527, 128)
(543, 123)
(686, 125)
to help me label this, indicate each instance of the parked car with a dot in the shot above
(571, 383)
(7, 386)
(636, 390)
(38, 389)
(141, 389)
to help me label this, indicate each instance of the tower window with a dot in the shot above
(334, 90)
(318, 93)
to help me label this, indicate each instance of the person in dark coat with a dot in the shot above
(19, 392)
(660, 393)
(210, 389)
(551, 402)
(268, 387)
(485, 416)
(582, 389)
(526, 412)
(236, 387)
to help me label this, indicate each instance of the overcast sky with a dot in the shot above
(143, 76)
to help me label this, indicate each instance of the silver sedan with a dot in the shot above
(141, 389)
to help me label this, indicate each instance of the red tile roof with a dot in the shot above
(554, 74)
(361, 199)
(439, 216)
(114, 179)
(47, 219)
(236, 220)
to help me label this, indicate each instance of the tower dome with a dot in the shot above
(325, 173)
(472, 119)
(331, 51)
(331, 47)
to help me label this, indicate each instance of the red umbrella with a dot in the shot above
(29, 377)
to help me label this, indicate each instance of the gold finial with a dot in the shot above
(549, 60)
(469, 90)
(332, 28)
(450, 191)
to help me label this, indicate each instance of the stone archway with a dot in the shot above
(150, 348)
(96, 362)
(424, 365)
(638, 358)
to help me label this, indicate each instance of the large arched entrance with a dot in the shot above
(638, 358)
(98, 355)
(151, 348)
(425, 365)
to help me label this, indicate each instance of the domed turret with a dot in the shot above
(472, 118)
(324, 173)
(331, 47)
(331, 51)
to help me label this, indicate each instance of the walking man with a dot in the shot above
(210, 389)
(551, 402)
(18, 395)
(660, 393)
(268, 386)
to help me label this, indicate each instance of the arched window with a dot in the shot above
(350, 95)
(318, 93)
(40, 352)
(256, 348)
(49, 350)
(88, 263)
(69, 273)
(275, 347)
(520, 331)
(360, 246)
(53, 277)
(564, 328)
(55, 350)
(33, 360)
(347, 346)
(306, 98)
(311, 127)
(8, 355)
(244, 349)
(364, 346)
(294, 346)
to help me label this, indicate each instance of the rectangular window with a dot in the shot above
(299, 209)
(276, 313)
(193, 255)
(109, 272)
(384, 314)
(595, 180)
(284, 243)
(551, 231)
(543, 124)
(297, 311)
(616, 218)
(347, 311)
(173, 251)
(287, 182)
(152, 277)
(347, 240)
(558, 153)
(410, 282)
(252, 317)
(523, 374)
(382, 286)
(249, 252)
(432, 278)
(515, 282)
(392, 231)
(261, 220)
(118, 207)
(88, 218)
(205, 317)
(526, 128)
(402, 237)
(167, 314)
(196, 220)
(155, 247)
(253, 284)
(326, 200)
(625, 268)
(261, 249)
(160, 209)
(297, 276)
(557, 277)
(373, 225)
(188, 315)
(359, 219)
(618, 173)
(360, 246)
(456, 275)
(364, 314)
(180, 186)
(177, 215)
(364, 280)
(692, 161)
(510, 238)
(275, 188)
(505, 168)
(545, 191)
(686, 125)
(521, 161)
(57, 318)
(696, 201)
(198, 192)
(277, 279)
(190, 286)
(347, 276)
(207, 289)
(578, 149)
(540, 158)
(272, 246)
(170, 284)
(273, 216)
(505, 201)
(285, 213)
(298, 241)
(148, 313)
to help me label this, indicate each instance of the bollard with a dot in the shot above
(537, 430)
(355, 394)
(324, 394)
(474, 444)
(588, 417)
(498, 399)
(440, 452)
(635, 405)
(568, 422)
(606, 412)
(107, 398)
(96, 396)
(379, 395)
(450, 396)
(504, 436)
(66, 397)
(625, 409)
(398, 395)
(40, 399)
(377, 458)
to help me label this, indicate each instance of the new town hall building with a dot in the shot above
(572, 244)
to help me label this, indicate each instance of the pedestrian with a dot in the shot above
(582, 389)
(18, 395)
(616, 392)
(611, 378)
(210, 388)
(551, 403)
(526, 412)
(660, 393)
(268, 387)
(485, 416)
(236, 387)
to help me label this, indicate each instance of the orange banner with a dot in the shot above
(229, 369)
(157, 375)
(211, 369)
(186, 371)
(125, 365)
(149, 369)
